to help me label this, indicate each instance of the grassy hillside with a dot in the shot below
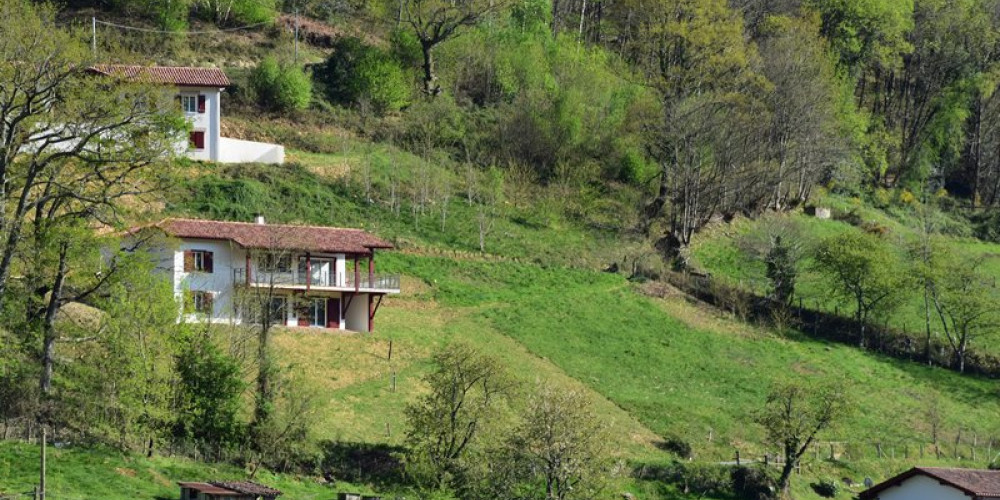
(658, 365)
(719, 251)
(86, 473)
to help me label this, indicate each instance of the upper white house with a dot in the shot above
(199, 94)
(303, 276)
(934, 483)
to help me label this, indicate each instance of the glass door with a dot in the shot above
(317, 313)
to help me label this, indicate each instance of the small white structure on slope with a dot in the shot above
(199, 95)
(933, 483)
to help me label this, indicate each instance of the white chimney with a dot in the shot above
(259, 219)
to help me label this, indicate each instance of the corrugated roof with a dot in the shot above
(176, 75)
(277, 236)
(248, 488)
(209, 489)
(979, 483)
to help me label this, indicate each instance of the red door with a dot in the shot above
(333, 313)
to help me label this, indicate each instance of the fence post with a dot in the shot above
(831, 452)
(878, 449)
(737, 457)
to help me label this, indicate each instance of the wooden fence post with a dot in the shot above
(737, 457)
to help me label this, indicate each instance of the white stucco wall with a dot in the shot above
(921, 487)
(209, 122)
(356, 316)
(239, 151)
(225, 257)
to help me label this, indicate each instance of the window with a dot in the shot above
(189, 103)
(277, 263)
(278, 310)
(317, 312)
(199, 302)
(197, 139)
(198, 261)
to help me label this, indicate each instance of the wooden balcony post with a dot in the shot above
(248, 268)
(357, 274)
(371, 270)
(308, 271)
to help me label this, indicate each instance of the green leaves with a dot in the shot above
(281, 87)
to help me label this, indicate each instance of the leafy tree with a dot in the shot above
(781, 271)
(132, 357)
(560, 446)
(467, 388)
(965, 302)
(437, 21)
(793, 416)
(101, 149)
(281, 87)
(864, 269)
(356, 72)
(209, 395)
(867, 33)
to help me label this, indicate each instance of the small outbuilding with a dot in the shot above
(227, 490)
(935, 483)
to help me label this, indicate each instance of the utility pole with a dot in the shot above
(41, 476)
(296, 35)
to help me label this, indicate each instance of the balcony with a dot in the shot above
(293, 280)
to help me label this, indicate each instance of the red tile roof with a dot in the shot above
(182, 76)
(277, 236)
(977, 483)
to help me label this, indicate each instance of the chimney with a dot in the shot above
(259, 219)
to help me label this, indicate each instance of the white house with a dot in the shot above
(199, 95)
(305, 276)
(932, 483)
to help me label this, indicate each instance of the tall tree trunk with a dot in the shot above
(431, 87)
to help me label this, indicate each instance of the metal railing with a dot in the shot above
(363, 281)
(373, 281)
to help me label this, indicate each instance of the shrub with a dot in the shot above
(752, 483)
(280, 87)
(677, 446)
(355, 72)
(826, 488)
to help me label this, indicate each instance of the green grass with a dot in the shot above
(717, 251)
(76, 473)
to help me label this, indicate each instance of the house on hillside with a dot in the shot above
(228, 490)
(199, 95)
(289, 275)
(932, 483)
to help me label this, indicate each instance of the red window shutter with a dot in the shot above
(197, 139)
(201, 103)
(208, 262)
(188, 261)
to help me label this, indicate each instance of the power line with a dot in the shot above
(195, 32)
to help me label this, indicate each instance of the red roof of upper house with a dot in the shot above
(977, 483)
(277, 236)
(182, 76)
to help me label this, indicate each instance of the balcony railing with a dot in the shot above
(364, 281)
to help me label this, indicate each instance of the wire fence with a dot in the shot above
(830, 325)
